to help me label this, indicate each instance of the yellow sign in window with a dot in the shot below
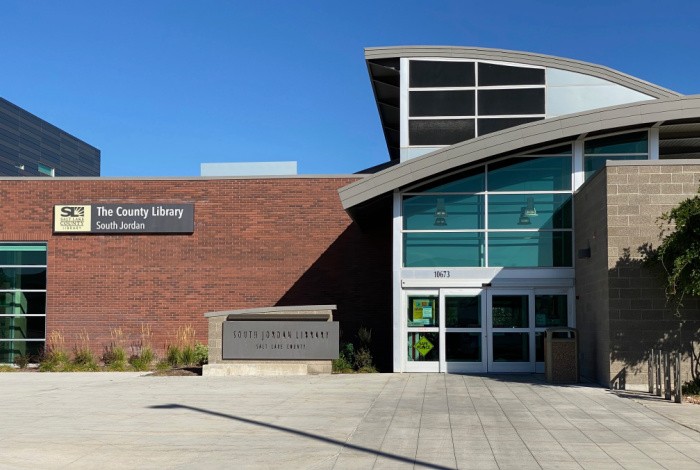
(423, 346)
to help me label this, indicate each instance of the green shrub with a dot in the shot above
(54, 360)
(118, 366)
(692, 387)
(346, 358)
(173, 356)
(201, 354)
(363, 357)
(21, 361)
(114, 354)
(364, 361)
(187, 356)
(7, 368)
(143, 360)
(163, 365)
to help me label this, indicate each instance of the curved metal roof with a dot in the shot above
(383, 67)
(538, 133)
(483, 53)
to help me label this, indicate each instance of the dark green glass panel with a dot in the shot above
(9, 350)
(530, 174)
(21, 327)
(443, 212)
(511, 347)
(510, 311)
(423, 311)
(471, 181)
(22, 303)
(423, 347)
(625, 143)
(531, 211)
(22, 278)
(592, 164)
(530, 249)
(551, 310)
(443, 249)
(463, 312)
(463, 347)
(24, 254)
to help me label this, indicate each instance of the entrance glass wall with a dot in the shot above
(482, 330)
(22, 300)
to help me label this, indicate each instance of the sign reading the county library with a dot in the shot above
(298, 340)
(124, 218)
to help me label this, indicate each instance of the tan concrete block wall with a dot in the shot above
(639, 315)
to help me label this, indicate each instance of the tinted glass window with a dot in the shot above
(626, 143)
(443, 249)
(441, 74)
(440, 131)
(492, 74)
(442, 103)
(530, 249)
(443, 212)
(504, 102)
(22, 254)
(530, 174)
(530, 211)
(471, 181)
(593, 164)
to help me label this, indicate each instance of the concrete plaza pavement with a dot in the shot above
(127, 420)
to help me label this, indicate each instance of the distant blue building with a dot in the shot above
(30, 146)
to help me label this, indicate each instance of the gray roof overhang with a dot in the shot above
(362, 193)
(382, 65)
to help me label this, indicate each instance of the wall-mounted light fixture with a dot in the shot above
(524, 219)
(530, 210)
(440, 213)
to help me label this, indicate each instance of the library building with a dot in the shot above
(519, 193)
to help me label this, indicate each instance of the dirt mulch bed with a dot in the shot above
(181, 372)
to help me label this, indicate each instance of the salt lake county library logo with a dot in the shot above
(72, 218)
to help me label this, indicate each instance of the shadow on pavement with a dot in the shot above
(399, 458)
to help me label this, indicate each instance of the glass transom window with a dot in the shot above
(516, 212)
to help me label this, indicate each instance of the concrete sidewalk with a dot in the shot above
(124, 420)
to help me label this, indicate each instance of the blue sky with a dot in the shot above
(162, 86)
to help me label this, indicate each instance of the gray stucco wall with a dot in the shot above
(638, 317)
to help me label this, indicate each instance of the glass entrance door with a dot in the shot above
(510, 331)
(464, 332)
(481, 330)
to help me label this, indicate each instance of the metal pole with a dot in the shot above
(657, 357)
(679, 388)
(650, 372)
(667, 376)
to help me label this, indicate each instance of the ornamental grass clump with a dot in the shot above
(114, 356)
(143, 358)
(55, 358)
(83, 358)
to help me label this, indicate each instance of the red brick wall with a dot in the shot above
(257, 243)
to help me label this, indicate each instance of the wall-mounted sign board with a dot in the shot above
(124, 218)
